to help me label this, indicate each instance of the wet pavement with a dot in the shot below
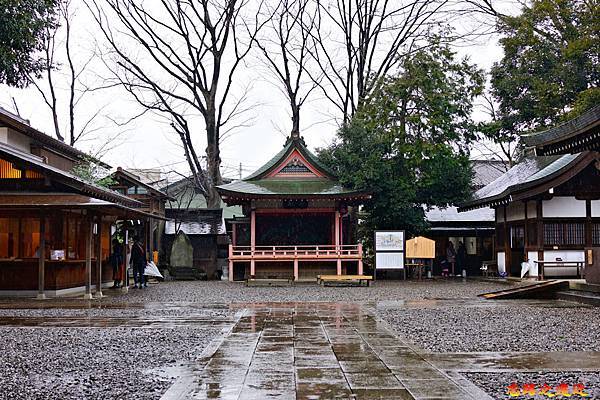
(315, 351)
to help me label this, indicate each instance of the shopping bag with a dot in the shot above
(152, 270)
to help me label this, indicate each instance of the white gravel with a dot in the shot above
(513, 325)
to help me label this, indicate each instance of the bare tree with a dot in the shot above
(359, 42)
(58, 41)
(285, 47)
(178, 58)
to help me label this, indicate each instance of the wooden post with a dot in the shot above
(360, 261)
(88, 257)
(252, 242)
(230, 263)
(99, 257)
(234, 234)
(296, 276)
(42, 259)
(337, 242)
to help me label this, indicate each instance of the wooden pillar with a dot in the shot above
(234, 234)
(252, 242)
(99, 257)
(337, 242)
(360, 261)
(89, 232)
(42, 259)
(230, 277)
(296, 275)
(507, 246)
(540, 233)
(125, 277)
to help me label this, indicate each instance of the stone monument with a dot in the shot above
(182, 258)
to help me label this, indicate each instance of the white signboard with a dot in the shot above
(389, 260)
(389, 249)
(389, 241)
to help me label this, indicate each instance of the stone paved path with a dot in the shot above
(315, 351)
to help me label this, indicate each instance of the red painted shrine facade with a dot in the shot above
(296, 221)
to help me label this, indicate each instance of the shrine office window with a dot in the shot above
(596, 234)
(564, 233)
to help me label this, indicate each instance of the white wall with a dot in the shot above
(567, 207)
(501, 262)
(595, 208)
(531, 257)
(565, 255)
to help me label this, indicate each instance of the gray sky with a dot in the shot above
(148, 142)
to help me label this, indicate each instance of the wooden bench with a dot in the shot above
(349, 279)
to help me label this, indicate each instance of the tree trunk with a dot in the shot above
(213, 168)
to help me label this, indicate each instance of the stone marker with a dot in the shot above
(182, 258)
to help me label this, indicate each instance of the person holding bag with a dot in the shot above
(138, 263)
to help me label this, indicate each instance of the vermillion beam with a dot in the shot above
(252, 242)
(42, 259)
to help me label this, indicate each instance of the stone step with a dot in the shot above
(579, 296)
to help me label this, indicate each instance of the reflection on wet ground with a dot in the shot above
(315, 351)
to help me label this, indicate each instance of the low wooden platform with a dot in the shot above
(344, 279)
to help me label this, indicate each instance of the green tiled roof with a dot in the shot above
(308, 187)
(290, 144)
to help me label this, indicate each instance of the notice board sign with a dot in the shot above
(389, 249)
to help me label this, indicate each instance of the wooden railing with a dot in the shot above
(350, 251)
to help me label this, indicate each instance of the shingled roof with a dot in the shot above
(578, 134)
(531, 173)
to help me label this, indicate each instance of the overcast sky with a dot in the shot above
(149, 142)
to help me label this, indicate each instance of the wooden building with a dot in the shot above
(152, 202)
(187, 212)
(54, 226)
(296, 219)
(547, 207)
(474, 229)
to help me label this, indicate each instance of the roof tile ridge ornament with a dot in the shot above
(295, 137)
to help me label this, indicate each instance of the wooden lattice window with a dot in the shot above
(596, 234)
(564, 233)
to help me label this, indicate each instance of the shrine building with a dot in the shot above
(55, 227)
(547, 207)
(296, 221)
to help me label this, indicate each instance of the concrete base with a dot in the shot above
(74, 291)
(87, 296)
(41, 296)
(98, 295)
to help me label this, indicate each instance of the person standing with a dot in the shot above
(116, 259)
(138, 262)
(451, 255)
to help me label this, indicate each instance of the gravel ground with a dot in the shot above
(515, 325)
(225, 292)
(134, 362)
(496, 384)
(91, 363)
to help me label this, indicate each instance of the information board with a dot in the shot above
(389, 249)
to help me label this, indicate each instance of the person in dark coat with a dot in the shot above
(116, 260)
(451, 255)
(138, 262)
